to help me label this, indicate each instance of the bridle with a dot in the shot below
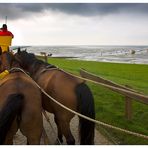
(7, 60)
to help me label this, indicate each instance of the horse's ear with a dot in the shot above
(25, 50)
(18, 50)
(0, 50)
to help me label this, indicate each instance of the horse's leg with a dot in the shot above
(65, 129)
(59, 131)
(31, 127)
(33, 136)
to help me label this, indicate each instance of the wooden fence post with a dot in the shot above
(129, 93)
(46, 58)
(128, 108)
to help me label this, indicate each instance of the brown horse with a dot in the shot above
(66, 89)
(20, 104)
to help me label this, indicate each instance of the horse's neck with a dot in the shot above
(36, 68)
(15, 64)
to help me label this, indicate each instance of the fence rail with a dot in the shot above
(129, 93)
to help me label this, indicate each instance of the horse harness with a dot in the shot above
(47, 68)
(3, 75)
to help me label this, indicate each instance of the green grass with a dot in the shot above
(110, 106)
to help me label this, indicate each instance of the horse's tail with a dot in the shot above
(85, 107)
(10, 110)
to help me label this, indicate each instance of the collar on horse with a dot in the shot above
(3, 74)
(6, 72)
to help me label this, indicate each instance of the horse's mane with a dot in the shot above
(29, 57)
(33, 59)
(35, 62)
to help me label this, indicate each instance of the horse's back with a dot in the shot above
(61, 86)
(57, 78)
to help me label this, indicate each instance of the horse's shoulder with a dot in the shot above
(24, 77)
(7, 78)
(13, 77)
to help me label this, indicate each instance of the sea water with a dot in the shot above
(116, 54)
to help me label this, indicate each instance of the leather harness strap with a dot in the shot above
(47, 68)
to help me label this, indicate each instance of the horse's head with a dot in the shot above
(6, 60)
(24, 58)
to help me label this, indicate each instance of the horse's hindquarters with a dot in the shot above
(30, 121)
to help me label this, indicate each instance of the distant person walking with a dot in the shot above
(5, 38)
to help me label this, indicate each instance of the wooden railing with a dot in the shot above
(129, 93)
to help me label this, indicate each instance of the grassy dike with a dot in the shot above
(109, 106)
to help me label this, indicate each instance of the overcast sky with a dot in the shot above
(76, 23)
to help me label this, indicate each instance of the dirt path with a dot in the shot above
(99, 138)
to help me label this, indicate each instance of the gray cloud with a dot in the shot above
(19, 10)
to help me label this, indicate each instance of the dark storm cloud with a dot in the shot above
(15, 11)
